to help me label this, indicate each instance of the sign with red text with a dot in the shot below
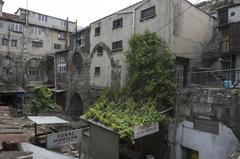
(142, 130)
(64, 138)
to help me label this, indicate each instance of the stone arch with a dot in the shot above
(104, 47)
(101, 66)
(76, 107)
(33, 69)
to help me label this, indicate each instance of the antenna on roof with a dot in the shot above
(27, 4)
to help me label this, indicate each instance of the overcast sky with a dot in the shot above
(85, 11)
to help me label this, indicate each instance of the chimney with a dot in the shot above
(1, 6)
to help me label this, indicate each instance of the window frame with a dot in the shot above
(42, 18)
(57, 46)
(13, 41)
(99, 51)
(16, 27)
(118, 23)
(5, 42)
(117, 45)
(34, 44)
(149, 13)
(97, 71)
(61, 35)
(81, 40)
(36, 31)
(97, 31)
(62, 65)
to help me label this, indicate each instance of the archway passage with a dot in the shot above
(76, 106)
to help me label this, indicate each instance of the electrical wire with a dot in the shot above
(193, 5)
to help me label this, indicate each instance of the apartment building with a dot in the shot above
(27, 37)
(28, 42)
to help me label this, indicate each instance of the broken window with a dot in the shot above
(37, 44)
(118, 23)
(97, 31)
(57, 46)
(5, 41)
(148, 13)
(97, 71)
(14, 43)
(117, 45)
(16, 27)
(62, 65)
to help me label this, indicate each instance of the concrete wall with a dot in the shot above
(104, 144)
(208, 145)
(186, 36)
(215, 103)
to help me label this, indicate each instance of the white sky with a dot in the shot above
(85, 11)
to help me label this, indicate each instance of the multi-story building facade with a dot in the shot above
(31, 35)
(185, 29)
(72, 74)
(229, 28)
(28, 40)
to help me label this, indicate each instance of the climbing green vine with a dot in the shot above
(148, 89)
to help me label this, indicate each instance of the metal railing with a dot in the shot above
(214, 78)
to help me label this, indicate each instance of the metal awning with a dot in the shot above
(40, 120)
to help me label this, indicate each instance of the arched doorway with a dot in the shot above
(76, 106)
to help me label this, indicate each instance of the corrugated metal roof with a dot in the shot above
(40, 120)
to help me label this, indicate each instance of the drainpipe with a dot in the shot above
(134, 15)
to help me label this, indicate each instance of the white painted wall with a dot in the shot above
(236, 17)
(209, 146)
(104, 62)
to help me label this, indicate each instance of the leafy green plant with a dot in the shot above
(149, 70)
(149, 88)
(42, 100)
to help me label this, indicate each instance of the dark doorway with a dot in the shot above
(76, 107)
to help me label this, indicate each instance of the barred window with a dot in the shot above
(148, 13)
(118, 23)
(117, 45)
(37, 44)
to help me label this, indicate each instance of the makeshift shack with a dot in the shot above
(151, 143)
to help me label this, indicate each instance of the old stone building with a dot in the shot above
(185, 29)
(72, 75)
(28, 41)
